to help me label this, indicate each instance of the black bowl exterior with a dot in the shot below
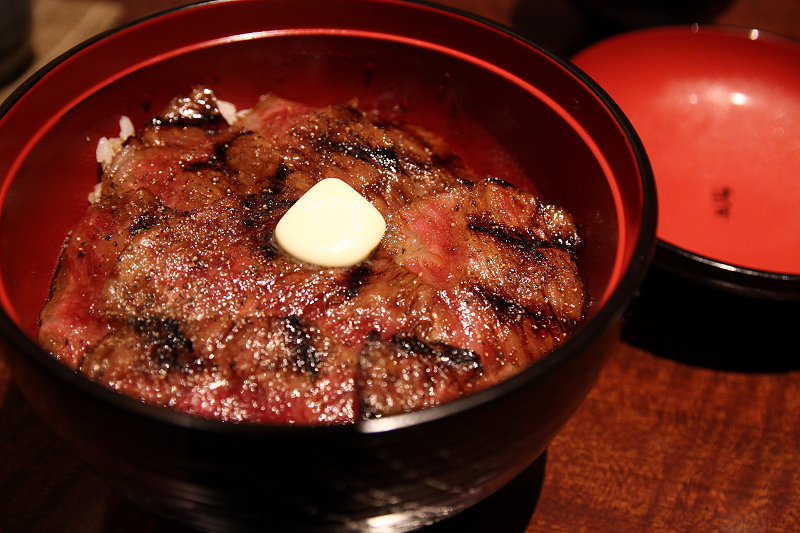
(726, 277)
(703, 325)
(395, 473)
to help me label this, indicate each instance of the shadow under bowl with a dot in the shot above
(494, 96)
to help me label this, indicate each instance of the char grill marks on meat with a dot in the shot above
(171, 288)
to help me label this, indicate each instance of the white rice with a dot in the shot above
(228, 111)
(94, 196)
(108, 148)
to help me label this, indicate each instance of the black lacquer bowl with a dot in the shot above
(440, 69)
(718, 110)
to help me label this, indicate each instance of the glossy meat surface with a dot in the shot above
(171, 288)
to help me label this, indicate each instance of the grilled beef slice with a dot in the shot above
(172, 290)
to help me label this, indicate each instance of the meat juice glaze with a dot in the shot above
(172, 290)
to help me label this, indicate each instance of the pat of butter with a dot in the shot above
(331, 225)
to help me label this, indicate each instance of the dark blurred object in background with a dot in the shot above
(15, 43)
(568, 26)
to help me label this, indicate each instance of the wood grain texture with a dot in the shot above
(664, 446)
(658, 446)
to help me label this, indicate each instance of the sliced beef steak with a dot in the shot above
(172, 290)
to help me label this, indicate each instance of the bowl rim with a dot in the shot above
(729, 277)
(694, 266)
(598, 325)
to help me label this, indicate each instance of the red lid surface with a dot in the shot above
(718, 111)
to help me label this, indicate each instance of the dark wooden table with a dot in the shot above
(670, 439)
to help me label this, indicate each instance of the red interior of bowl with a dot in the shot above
(718, 111)
(505, 106)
